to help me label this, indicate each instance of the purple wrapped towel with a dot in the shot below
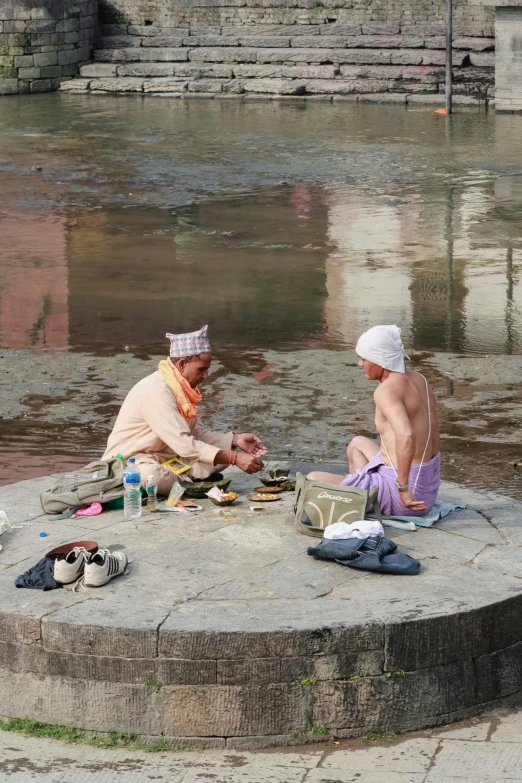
(377, 474)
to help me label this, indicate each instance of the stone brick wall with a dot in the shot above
(408, 16)
(43, 42)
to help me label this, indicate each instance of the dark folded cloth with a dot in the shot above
(350, 548)
(374, 553)
(39, 577)
(389, 564)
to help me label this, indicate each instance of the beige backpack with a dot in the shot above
(319, 504)
(97, 482)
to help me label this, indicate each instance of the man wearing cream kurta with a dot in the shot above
(159, 420)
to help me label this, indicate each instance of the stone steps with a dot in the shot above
(322, 60)
(428, 29)
(380, 90)
(244, 54)
(408, 73)
(240, 78)
(278, 40)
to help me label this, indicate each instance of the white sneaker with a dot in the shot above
(71, 567)
(103, 566)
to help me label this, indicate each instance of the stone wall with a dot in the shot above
(411, 16)
(383, 50)
(43, 42)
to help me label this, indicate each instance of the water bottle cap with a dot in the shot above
(132, 460)
(151, 479)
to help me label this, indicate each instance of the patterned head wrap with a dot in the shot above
(190, 344)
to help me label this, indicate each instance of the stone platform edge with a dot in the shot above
(77, 86)
(252, 689)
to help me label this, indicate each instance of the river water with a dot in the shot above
(287, 227)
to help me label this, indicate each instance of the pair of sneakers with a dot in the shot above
(88, 570)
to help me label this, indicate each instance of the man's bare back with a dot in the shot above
(407, 394)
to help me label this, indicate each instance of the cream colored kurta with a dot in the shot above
(149, 423)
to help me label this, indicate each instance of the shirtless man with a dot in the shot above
(407, 471)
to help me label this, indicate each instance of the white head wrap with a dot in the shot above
(382, 345)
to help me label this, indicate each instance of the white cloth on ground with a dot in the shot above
(382, 345)
(360, 529)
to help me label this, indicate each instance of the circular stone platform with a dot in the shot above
(227, 633)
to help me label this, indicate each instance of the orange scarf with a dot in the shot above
(186, 397)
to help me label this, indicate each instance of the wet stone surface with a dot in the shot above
(59, 408)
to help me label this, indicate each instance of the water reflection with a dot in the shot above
(107, 279)
(34, 307)
(284, 268)
(417, 259)
(389, 215)
(251, 268)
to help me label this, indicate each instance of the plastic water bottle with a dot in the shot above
(152, 494)
(132, 495)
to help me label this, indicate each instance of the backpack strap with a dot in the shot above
(377, 510)
(67, 514)
(373, 502)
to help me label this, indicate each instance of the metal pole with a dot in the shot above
(449, 341)
(449, 53)
(510, 319)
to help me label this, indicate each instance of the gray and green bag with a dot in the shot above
(319, 504)
(98, 482)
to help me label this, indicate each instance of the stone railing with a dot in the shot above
(43, 42)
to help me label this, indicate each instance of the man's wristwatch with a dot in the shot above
(402, 487)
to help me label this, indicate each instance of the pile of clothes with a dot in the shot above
(362, 545)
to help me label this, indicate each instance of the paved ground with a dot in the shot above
(485, 751)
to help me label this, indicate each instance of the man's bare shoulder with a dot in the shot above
(396, 385)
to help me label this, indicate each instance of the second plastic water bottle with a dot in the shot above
(152, 493)
(132, 495)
